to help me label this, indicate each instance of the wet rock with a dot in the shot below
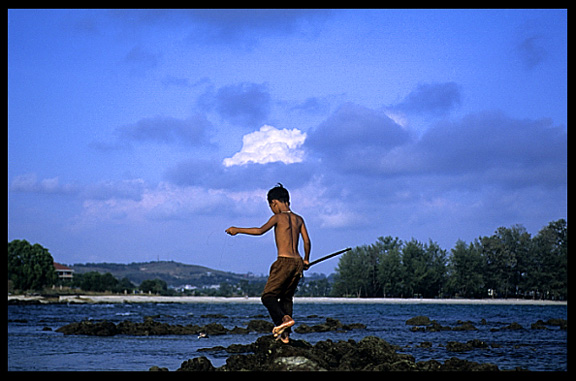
(295, 363)
(157, 369)
(261, 326)
(239, 331)
(465, 326)
(150, 327)
(538, 325)
(459, 365)
(88, 327)
(330, 325)
(424, 324)
(198, 364)
(369, 354)
(419, 320)
(562, 323)
(455, 346)
(428, 366)
(214, 316)
(513, 326)
(436, 327)
(214, 329)
(476, 343)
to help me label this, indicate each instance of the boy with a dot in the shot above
(286, 271)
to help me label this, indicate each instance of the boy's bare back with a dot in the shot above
(288, 227)
(287, 233)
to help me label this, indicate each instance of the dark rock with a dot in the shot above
(198, 364)
(562, 323)
(214, 316)
(349, 327)
(478, 343)
(369, 354)
(455, 346)
(295, 363)
(157, 369)
(465, 326)
(330, 325)
(428, 366)
(214, 329)
(150, 327)
(261, 326)
(459, 365)
(419, 320)
(304, 328)
(538, 325)
(434, 326)
(88, 327)
(239, 331)
(513, 326)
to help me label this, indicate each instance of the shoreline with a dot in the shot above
(111, 299)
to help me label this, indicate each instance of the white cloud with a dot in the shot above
(269, 145)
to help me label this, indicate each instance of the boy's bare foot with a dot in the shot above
(284, 337)
(287, 322)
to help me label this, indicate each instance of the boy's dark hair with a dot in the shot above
(279, 193)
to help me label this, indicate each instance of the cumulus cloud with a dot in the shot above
(354, 137)
(269, 145)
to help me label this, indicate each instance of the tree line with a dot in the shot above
(508, 264)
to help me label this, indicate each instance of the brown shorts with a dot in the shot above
(285, 273)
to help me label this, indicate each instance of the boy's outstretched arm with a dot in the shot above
(232, 230)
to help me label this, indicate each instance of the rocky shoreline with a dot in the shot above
(369, 354)
(266, 354)
(151, 327)
(144, 298)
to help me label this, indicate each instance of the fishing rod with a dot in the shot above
(329, 256)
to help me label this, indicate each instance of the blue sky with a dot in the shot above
(135, 135)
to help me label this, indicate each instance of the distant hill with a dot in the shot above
(173, 273)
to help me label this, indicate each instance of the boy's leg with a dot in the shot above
(287, 297)
(273, 290)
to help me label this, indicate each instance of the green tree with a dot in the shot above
(506, 254)
(550, 268)
(30, 267)
(466, 271)
(391, 271)
(156, 286)
(425, 268)
(95, 281)
(357, 273)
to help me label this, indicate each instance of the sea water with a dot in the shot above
(34, 344)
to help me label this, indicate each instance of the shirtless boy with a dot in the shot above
(286, 271)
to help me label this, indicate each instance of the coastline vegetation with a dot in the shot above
(508, 264)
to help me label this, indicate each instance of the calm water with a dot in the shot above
(30, 348)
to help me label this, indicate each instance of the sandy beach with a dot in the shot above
(254, 300)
